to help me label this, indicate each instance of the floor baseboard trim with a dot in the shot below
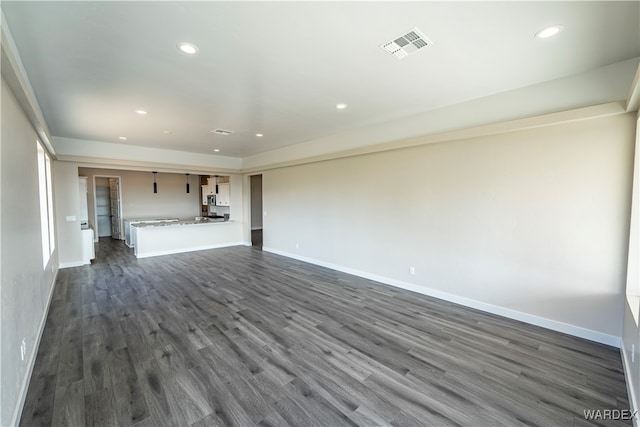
(71, 264)
(554, 325)
(15, 419)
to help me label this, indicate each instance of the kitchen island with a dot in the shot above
(164, 238)
(128, 236)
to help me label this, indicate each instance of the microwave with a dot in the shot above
(211, 199)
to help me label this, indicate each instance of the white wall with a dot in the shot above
(532, 223)
(26, 285)
(68, 205)
(630, 332)
(2, 392)
(139, 200)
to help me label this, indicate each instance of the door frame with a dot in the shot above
(252, 208)
(95, 204)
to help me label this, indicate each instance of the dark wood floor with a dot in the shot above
(237, 336)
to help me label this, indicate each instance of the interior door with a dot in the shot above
(114, 198)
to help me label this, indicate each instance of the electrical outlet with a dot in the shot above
(297, 245)
(412, 271)
(23, 349)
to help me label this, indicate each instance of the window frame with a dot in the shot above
(45, 197)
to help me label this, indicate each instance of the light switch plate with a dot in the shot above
(71, 218)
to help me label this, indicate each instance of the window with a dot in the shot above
(45, 193)
(633, 262)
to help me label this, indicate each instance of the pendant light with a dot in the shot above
(216, 184)
(187, 182)
(155, 184)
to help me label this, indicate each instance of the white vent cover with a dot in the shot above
(222, 132)
(406, 44)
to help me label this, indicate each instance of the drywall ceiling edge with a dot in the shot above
(586, 113)
(595, 87)
(633, 100)
(21, 86)
(97, 163)
(112, 153)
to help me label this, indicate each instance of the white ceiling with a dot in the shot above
(279, 68)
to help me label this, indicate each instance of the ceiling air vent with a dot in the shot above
(406, 44)
(222, 132)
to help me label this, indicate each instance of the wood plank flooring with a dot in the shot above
(239, 337)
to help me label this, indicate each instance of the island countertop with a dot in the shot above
(182, 222)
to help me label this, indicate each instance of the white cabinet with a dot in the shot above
(88, 250)
(205, 193)
(223, 197)
(212, 186)
(208, 189)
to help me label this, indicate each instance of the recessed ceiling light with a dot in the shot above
(188, 48)
(124, 138)
(141, 112)
(341, 106)
(216, 149)
(551, 31)
(166, 132)
(259, 135)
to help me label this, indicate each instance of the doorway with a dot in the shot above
(103, 207)
(256, 210)
(108, 206)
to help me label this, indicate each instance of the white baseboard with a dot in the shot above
(555, 325)
(626, 367)
(15, 419)
(71, 264)
(190, 249)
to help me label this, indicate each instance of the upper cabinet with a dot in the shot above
(208, 186)
(205, 193)
(212, 186)
(223, 197)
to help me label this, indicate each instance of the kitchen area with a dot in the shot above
(160, 213)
